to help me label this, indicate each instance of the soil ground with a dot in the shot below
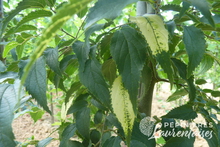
(24, 127)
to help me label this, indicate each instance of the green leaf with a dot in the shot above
(2, 67)
(36, 83)
(109, 70)
(177, 94)
(74, 87)
(215, 93)
(98, 117)
(68, 132)
(184, 112)
(200, 81)
(52, 56)
(25, 28)
(83, 122)
(128, 49)
(51, 3)
(182, 69)
(180, 142)
(92, 29)
(8, 101)
(204, 8)
(195, 46)
(152, 27)
(122, 107)
(82, 52)
(185, 7)
(44, 142)
(91, 77)
(135, 143)
(36, 113)
(95, 136)
(21, 6)
(113, 142)
(34, 15)
(63, 14)
(9, 47)
(206, 64)
(107, 9)
(137, 135)
(77, 106)
(208, 134)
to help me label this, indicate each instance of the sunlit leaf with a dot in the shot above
(152, 27)
(62, 15)
(34, 15)
(21, 6)
(122, 107)
(9, 47)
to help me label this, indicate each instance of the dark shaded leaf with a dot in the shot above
(77, 106)
(182, 69)
(180, 142)
(107, 9)
(195, 46)
(135, 143)
(74, 87)
(83, 122)
(95, 136)
(203, 6)
(109, 70)
(52, 56)
(44, 142)
(208, 134)
(92, 78)
(206, 64)
(8, 100)
(128, 49)
(2, 67)
(36, 83)
(113, 142)
(140, 137)
(68, 132)
(177, 94)
(98, 117)
(82, 52)
(184, 112)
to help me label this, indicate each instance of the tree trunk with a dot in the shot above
(145, 102)
(1, 40)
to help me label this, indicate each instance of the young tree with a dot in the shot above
(106, 61)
